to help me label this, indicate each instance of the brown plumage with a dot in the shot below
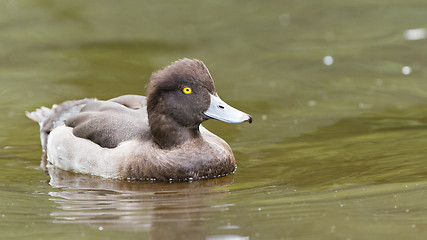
(155, 138)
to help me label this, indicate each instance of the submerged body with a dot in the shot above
(134, 137)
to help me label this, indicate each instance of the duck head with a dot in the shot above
(180, 97)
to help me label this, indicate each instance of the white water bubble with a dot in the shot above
(328, 60)
(311, 103)
(406, 70)
(415, 34)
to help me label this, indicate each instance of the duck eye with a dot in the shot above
(187, 90)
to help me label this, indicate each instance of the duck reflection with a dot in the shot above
(165, 210)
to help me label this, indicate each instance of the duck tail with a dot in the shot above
(49, 118)
(40, 114)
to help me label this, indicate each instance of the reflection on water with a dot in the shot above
(166, 211)
(183, 210)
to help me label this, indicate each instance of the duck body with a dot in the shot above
(158, 137)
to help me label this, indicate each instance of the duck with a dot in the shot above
(158, 137)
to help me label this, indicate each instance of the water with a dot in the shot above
(337, 91)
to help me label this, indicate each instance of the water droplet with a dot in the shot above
(406, 70)
(415, 34)
(100, 228)
(328, 60)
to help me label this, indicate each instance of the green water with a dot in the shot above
(335, 151)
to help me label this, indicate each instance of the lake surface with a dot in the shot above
(337, 90)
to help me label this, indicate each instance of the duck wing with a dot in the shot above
(108, 123)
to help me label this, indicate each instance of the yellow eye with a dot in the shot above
(187, 90)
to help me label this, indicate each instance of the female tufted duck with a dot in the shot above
(158, 137)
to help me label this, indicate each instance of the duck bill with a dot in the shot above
(220, 110)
